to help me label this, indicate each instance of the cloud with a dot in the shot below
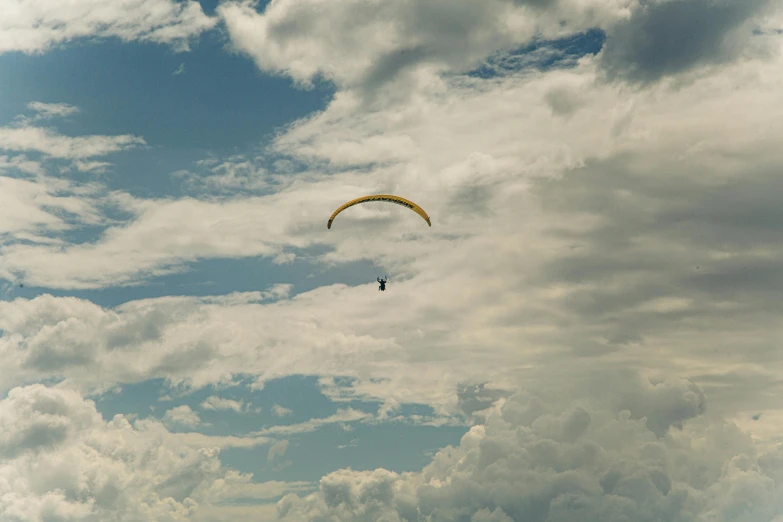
(217, 403)
(535, 461)
(281, 411)
(342, 416)
(182, 416)
(276, 455)
(277, 449)
(55, 145)
(44, 206)
(61, 460)
(52, 110)
(155, 243)
(179, 70)
(32, 27)
(669, 195)
(394, 43)
(234, 175)
(668, 37)
(476, 398)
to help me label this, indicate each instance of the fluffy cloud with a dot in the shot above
(394, 47)
(161, 245)
(182, 416)
(534, 461)
(372, 45)
(60, 460)
(581, 230)
(36, 26)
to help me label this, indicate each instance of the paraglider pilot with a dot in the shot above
(382, 282)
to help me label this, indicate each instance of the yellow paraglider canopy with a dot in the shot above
(382, 197)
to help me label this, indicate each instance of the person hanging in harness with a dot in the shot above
(382, 282)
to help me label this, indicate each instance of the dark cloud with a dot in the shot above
(390, 65)
(147, 326)
(55, 355)
(37, 418)
(664, 404)
(667, 37)
(654, 226)
(563, 101)
(472, 398)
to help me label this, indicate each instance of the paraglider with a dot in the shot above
(388, 198)
(382, 197)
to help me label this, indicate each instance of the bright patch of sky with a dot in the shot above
(593, 314)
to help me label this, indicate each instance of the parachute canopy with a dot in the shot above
(382, 197)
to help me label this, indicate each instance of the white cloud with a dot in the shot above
(473, 180)
(370, 45)
(182, 416)
(669, 193)
(218, 403)
(156, 243)
(281, 411)
(539, 462)
(61, 460)
(52, 110)
(51, 143)
(277, 449)
(37, 208)
(276, 455)
(342, 416)
(37, 26)
(236, 174)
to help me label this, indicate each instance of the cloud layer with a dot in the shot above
(605, 228)
(537, 462)
(37, 26)
(60, 460)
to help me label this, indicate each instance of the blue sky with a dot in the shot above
(189, 342)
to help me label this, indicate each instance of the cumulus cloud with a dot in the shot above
(182, 416)
(37, 26)
(369, 46)
(61, 460)
(581, 229)
(473, 398)
(405, 45)
(537, 462)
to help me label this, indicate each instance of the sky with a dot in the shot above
(589, 331)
